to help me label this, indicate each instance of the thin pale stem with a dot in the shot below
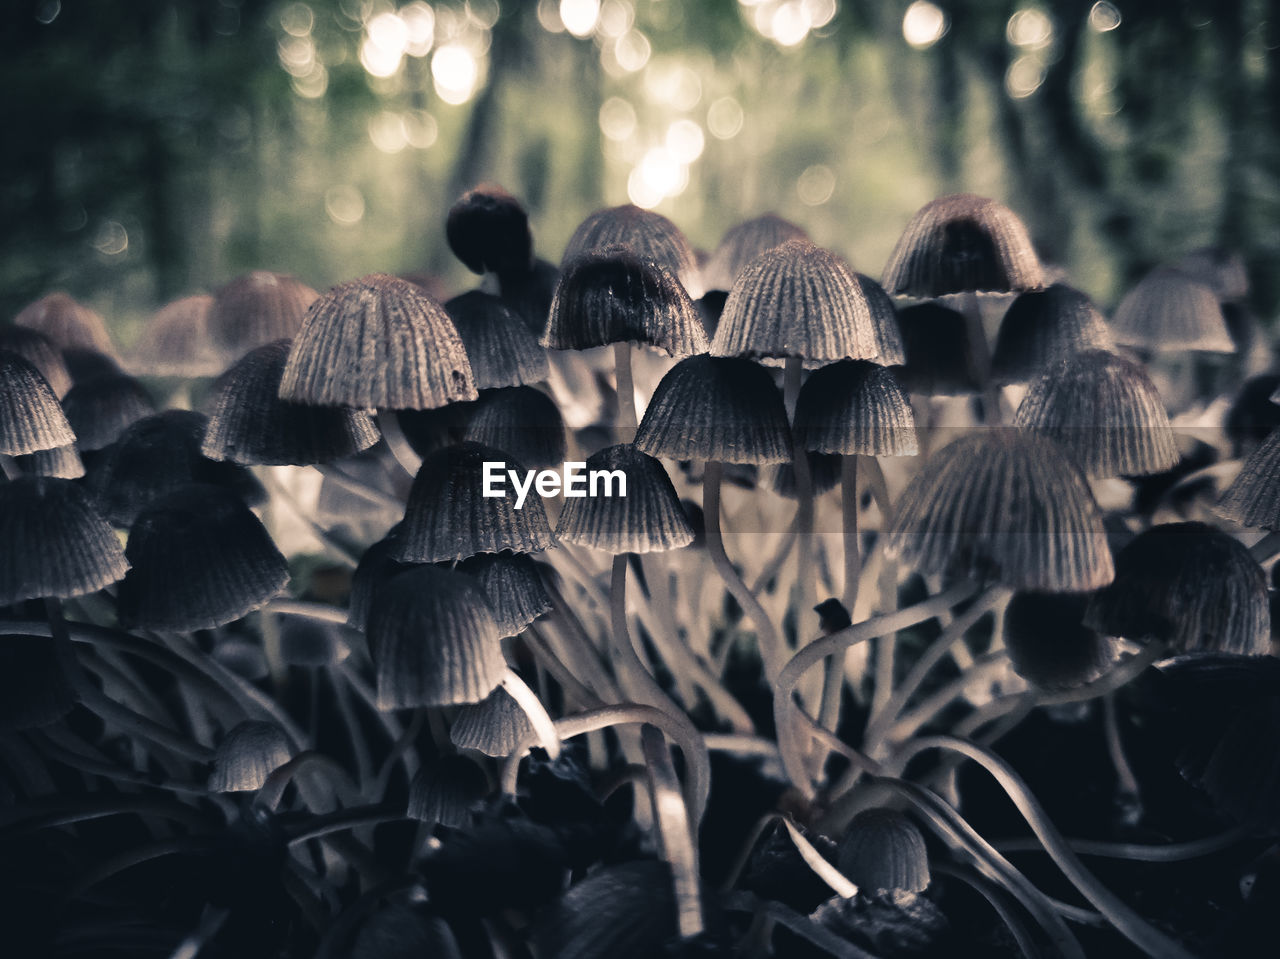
(627, 420)
(672, 816)
(829, 712)
(527, 700)
(398, 443)
(1138, 852)
(635, 679)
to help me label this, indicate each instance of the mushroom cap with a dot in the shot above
(55, 543)
(31, 418)
(743, 243)
(1253, 498)
(1104, 411)
(824, 474)
(1007, 506)
(855, 407)
(648, 518)
(890, 350)
(1220, 269)
(1042, 327)
(249, 423)
(62, 462)
(377, 565)
(623, 909)
(377, 342)
(651, 236)
(530, 294)
(716, 408)
(100, 408)
(499, 345)
(514, 588)
(939, 356)
(38, 350)
(488, 230)
(445, 790)
(177, 341)
(797, 300)
(495, 726)
(522, 421)
(1169, 311)
(961, 243)
(84, 363)
(247, 755)
(67, 323)
(1049, 645)
(255, 309)
(882, 851)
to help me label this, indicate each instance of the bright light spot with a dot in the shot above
(632, 51)
(389, 31)
(344, 204)
(549, 16)
(455, 72)
(420, 129)
(297, 20)
(1024, 77)
(790, 23)
(923, 24)
(674, 85)
(640, 193)
(313, 85)
(111, 239)
(821, 12)
(617, 119)
(579, 16)
(483, 13)
(387, 132)
(616, 17)
(815, 185)
(1031, 28)
(48, 11)
(1104, 16)
(685, 141)
(724, 118)
(420, 25)
(663, 173)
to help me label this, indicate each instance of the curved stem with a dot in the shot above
(829, 712)
(828, 873)
(994, 895)
(339, 552)
(672, 817)
(341, 819)
(1126, 780)
(528, 701)
(398, 443)
(983, 669)
(272, 790)
(1138, 852)
(635, 679)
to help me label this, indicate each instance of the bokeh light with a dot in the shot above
(617, 119)
(923, 24)
(580, 16)
(725, 118)
(816, 185)
(455, 72)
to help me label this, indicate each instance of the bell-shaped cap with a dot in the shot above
(1042, 327)
(716, 408)
(1104, 411)
(855, 407)
(488, 230)
(433, 640)
(200, 558)
(1049, 645)
(612, 295)
(1168, 311)
(31, 418)
(177, 341)
(495, 726)
(743, 243)
(1190, 585)
(251, 751)
(449, 517)
(514, 587)
(797, 300)
(1220, 269)
(1007, 506)
(67, 323)
(650, 236)
(633, 509)
(62, 462)
(54, 543)
(255, 309)
(249, 423)
(34, 688)
(376, 566)
(378, 341)
(445, 790)
(882, 851)
(939, 355)
(38, 350)
(1253, 498)
(499, 345)
(962, 243)
(522, 421)
(100, 408)
(890, 350)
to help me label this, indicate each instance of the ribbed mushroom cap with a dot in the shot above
(251, 751)
(255, 309)
(1007, 506)
(55, 544)
(38, 350)
(249, 423)
(1049, 645)
(62, 462)
(1044, 326)
(514, 588)
(890, 350)
(648, 518)
(378, 341)
(960, 243)
(433, 640)
(445, 790)
(1105, 412)
(376, 566)
(1221, 270)
(936, 343)
(100, 408)
(797, 300)
(67, 323)
(495, 726)
(1169, 311)
(200, 558)
(824, 474)
(157, 454)
(882, 851)
(613, 296)
(530, 294)
(522, 421)
(488, 230)
(1253, 498)
(855, 407)
(651, 236)
(499, 345)
(619, 911)
(34, 688)
(716, 408)
(448, 516)
(743, 243)
(1190, 585)
(177, 341)
(31, 417)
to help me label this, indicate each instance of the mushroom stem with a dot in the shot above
(635, 679)
(980, 359)
(339, 552)
(1138, 852)
(272, 789)
(803, 591)
(672, 817)
(527, 700)
(397, 442)
(829, 712)
(627, 420)
(828, 873)
(1126, 780)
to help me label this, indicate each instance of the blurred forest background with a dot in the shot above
(155, 148)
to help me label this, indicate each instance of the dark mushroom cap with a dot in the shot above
(960, 243)
(1104, 411)
(31, 417)
(255, 309)
(445, 790)
(514, 588)
(1169, 311)
(67, 323)
(890, 350)
(882, 851)
(488, 230)
(377, 342)
(530, 294)
(651, 236)
(1042, 327)
(522, 421)
(200, 558)
(1190, 585)
(38, 350)
(177, 341)
(247, 755)
(249, 423)
(1004, 505)
(743, 243)
(1254, 414)
(1049, 645)
(939, 355)
(377, 565)
(84, 363)
(716, 408)
(824, 474)
(499, 345)
(100, 408)
(855, 407)
(495, 726)
(1253, 498)
(55, 544)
